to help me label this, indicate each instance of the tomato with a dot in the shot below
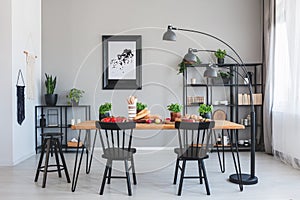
(106, 119)
(113, 119)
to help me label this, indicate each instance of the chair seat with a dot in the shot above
(190, 154)
(118, 154)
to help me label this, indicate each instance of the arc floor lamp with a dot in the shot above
(170, 35)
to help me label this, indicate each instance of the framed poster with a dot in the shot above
(122, 61)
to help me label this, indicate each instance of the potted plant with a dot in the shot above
(225, 76)
(184, 64)
(175, 110)
(74, 96)
(50, 97)
(104, 110)
(205, 110)
(140, 106)
(220, 54)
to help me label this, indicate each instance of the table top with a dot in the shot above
(219, 125)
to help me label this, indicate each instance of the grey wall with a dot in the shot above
(71, 45)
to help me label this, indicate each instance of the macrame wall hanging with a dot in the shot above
(20, 99)
(30, 75)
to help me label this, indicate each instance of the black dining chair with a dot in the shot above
(194, 145)
(116, 140)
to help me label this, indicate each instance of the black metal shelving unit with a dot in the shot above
(63, 126)
(234, 87)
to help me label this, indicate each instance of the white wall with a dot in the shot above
(23, 26)
(6, 83)
(71, 38)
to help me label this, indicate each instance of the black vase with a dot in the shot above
(220, 61)
(101, 116)
(42, 121)
(50, 99)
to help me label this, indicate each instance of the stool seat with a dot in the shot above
(51, 142)
(54, 134)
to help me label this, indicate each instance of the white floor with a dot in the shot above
(155, 175)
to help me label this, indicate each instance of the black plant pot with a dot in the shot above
(50, 99)
(206, 115)
(101, 116)
(221, 61)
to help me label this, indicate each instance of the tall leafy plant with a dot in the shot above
(50, 83)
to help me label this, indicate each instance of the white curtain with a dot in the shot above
(269, 34)
(286, 104)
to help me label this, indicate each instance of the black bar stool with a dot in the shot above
(50, 143)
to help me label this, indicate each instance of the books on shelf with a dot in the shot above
(244, 99)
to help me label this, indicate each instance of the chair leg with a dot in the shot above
(56, 157)
(63, 161)
(109, 174)
(127, 177)
(46, 163)
(108, 165)
(133, 171)
(181, 178)
(200, 172)
(40, 161)
(205, 178)
(176, 171)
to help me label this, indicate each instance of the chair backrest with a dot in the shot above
(116, 135)
(194, 138)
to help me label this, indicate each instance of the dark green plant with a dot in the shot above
(220, 53)
(174, 107)
(140, 106)
(104, 108)
(50, 83)
(75, 95)
(203, 109)
(184, 64)
(223, 74)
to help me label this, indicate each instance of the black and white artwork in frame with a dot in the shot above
(122, 62)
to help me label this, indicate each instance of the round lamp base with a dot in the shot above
(246, 179)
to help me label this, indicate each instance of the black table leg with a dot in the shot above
(236, 159)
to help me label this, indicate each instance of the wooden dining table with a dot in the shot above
(219, 125)
(90, 125)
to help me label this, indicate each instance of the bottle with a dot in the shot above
(42, 121)
(249, 119)
(219, 139)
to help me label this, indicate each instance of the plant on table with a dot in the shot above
(205, 110)
(104, 110)
(175, 110)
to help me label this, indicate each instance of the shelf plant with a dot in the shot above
(205, 110)
(74, 96)
(220, 55)
(104, 110)
(184, 64)
(225, 76)
(50, 83)
(175, 110)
